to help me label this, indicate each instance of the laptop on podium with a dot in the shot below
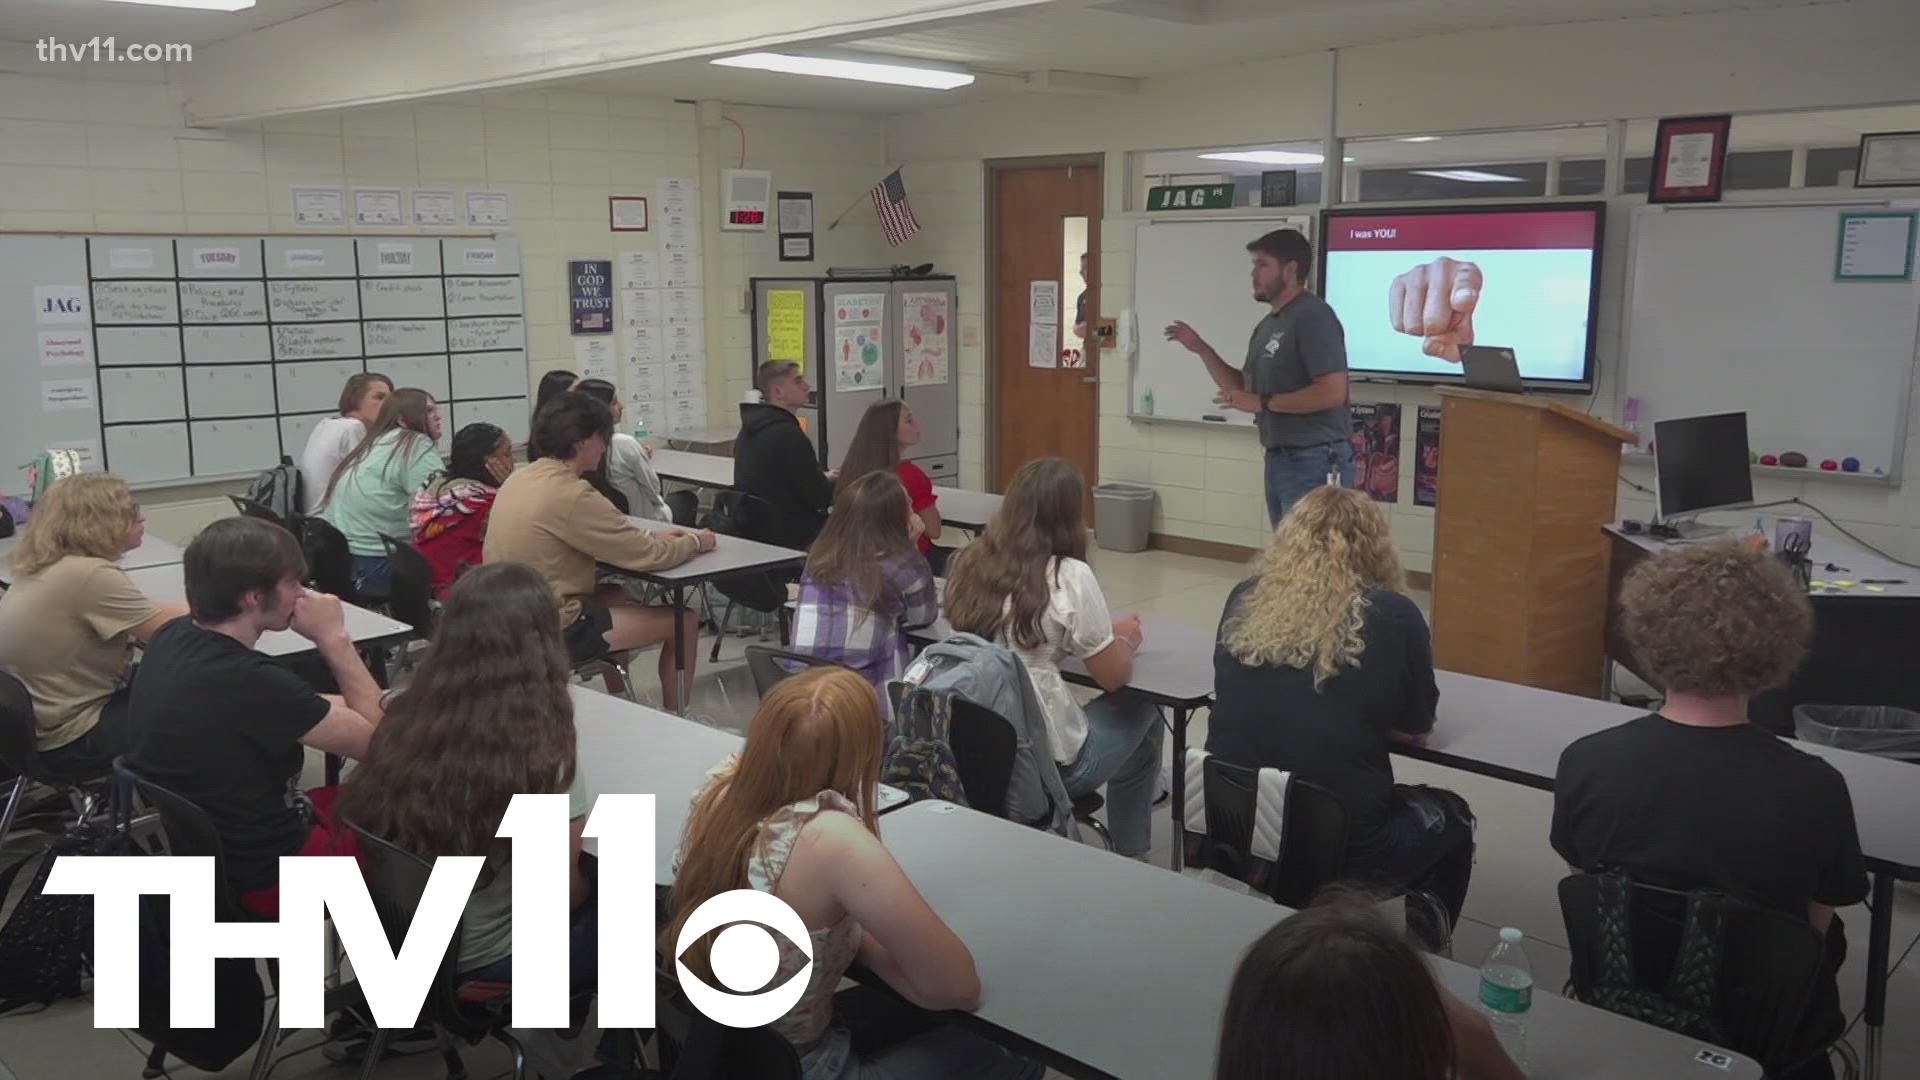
(1491, 367)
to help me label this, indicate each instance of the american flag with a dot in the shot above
(896, 214)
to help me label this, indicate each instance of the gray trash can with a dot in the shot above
(1880, 730)
(1122, 516)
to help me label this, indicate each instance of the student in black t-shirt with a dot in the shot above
(1695, 797)
(222, 725)
(1322, 662)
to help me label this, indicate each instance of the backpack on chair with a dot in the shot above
(49, 468)
(46, 944)
(278, 489)
(919, 758)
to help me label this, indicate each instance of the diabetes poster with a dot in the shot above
(1426, 460)
(1376, 450)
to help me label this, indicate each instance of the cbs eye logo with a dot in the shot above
(744, 957)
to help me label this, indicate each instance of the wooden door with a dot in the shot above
(1043, 411)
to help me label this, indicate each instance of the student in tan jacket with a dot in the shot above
(550, 518)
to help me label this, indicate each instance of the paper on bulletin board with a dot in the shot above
(593, 357)
(787, 325)
(925, 334)
(639, 270)
(1043, 345)
(856, 358)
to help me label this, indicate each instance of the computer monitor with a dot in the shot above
(1700, 463)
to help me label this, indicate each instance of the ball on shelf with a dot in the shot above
(1794, 459)
(1851, 464)
(1753, 457)
(1830, 465)
(1769, 459)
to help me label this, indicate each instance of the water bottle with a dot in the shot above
(1506, 993)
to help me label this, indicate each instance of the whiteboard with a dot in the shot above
(169, 358)
(507, 414)
(1734, 308)
(1196, 272)
(483, 296)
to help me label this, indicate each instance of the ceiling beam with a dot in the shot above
(366, 52)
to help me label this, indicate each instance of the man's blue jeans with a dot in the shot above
(1292, 471)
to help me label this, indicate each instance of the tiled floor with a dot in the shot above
(1514, 879)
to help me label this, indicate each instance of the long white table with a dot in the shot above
(1173, 669)
(1517, 733)
(689, 467)
(628, 749)
(1118, 969)
(364, 627)
(152, 551)
(964, 509)
(730, 555)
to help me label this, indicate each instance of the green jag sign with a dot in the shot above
(1191, 197)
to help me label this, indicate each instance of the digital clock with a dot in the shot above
(748, 195)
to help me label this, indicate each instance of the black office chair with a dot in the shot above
(20, 756)
(1312, 852)
(770, 665)
(253, 509)
(410, 599)
(329, 560)
(749, 517)
(466, 1009)
(190, 833)
(984, 744)
(693, 1047)
(1745, 979)
(684, 505)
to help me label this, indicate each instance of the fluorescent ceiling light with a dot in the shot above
(198, 5)
(1470, 176)
(1265, 157)
(874, 71)
(1419, 138)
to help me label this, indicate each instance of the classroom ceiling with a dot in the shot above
(29, 20)
(1131, 39)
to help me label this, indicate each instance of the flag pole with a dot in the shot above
(865, 196)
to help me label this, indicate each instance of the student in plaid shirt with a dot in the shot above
(865, 584)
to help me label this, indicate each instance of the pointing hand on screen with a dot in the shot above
(1435, 301)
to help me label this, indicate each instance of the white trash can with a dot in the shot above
(1122, 516)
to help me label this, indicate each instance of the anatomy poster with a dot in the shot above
(856, 358)
(926, 338)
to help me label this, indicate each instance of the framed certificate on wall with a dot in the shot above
(1888, 159)
(1689, 159)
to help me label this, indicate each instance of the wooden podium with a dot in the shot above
(1519, 561)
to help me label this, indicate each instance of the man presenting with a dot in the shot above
(1295, 377)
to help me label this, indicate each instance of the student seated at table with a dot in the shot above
(886, 432)
(551, 385)
(1026, 584)
(335, 437)
(1321, 663)
(548, 517)
(865, 586)
(774, 460)
(371, 492)
(1694, 796)
(222, 724)
(627, 465)
(1333, 991)
(793, 815)
(69, 621)
(450, 514)
(487, 717)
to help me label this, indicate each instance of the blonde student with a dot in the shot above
(793, 815)
(70, 621)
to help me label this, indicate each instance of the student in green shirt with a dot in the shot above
(371, 492)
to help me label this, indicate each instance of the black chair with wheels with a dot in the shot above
(684, 505)
(1705, 965)
(329, 560)
(468, 1010)
(693, 1047)
(189, 832)
(252, 509)
(984, 744)
(20, 759)
(1311, 833)
(749, 517)
(410, 599)
(769, 665)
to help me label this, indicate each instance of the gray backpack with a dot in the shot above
(278, 489)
